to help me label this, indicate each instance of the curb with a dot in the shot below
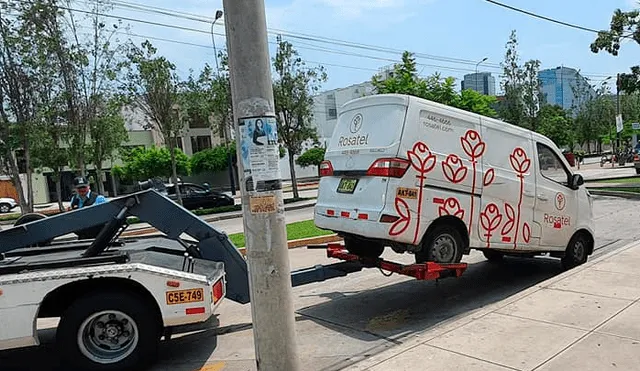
(148, 230)
(294, 244)
(622, 194)
(464, 319)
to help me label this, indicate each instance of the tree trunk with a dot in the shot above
(174, 172)
(14, 173)
(29, 170)
(292, 171)
(99, 178)
(58, 181)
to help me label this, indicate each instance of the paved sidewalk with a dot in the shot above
(584, 319)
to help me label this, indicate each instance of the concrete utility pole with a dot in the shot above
(261, 186)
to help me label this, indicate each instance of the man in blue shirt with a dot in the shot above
(84, 196)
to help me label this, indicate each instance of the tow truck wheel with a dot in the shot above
(108, 331)
(576, 253)
(362, 248)
(443, 245)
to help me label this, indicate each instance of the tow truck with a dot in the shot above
(117, 297)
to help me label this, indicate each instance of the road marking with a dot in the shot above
(218, 366)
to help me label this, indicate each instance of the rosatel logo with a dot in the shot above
(354, 140)
(356, 123)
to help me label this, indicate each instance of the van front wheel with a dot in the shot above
(443, 245)
(576, 253)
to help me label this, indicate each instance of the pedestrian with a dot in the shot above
(84, 196)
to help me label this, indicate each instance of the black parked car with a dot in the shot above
(195, 196)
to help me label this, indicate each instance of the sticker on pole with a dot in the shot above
(619, 123)
(262, 204)
(260, 154)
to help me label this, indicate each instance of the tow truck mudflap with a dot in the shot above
(353, 263)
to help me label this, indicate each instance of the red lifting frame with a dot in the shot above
(423, 271)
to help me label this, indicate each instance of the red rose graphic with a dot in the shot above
(490, 218)
(421, 158)
(472, 145)
(454, 170)
(401, 224)
(526, 232)
(451, 206)
(511, 219)
(489, 177)
(519, 161)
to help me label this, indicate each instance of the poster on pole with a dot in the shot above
(619, 123)
(260, 153)
(635, 125)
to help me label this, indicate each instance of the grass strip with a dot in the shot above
(295, 231)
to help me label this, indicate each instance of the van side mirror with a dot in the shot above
(576, 181)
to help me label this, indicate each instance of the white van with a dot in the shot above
(436, 181)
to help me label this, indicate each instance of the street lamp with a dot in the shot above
(213, 39)
(477, 64)
(232, 183)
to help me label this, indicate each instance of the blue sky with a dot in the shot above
(455, 33)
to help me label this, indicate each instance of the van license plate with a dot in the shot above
(184, 296)
(347, 185)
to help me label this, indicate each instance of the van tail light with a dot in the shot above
(389, 167)
(636, 158)
(326, 169)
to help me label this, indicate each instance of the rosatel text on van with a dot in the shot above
(355, 140)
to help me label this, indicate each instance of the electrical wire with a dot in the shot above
(160, 24)
(531, 14)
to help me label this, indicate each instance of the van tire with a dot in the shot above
(638, 170)
(493, 255)
(362, 248)
(78, 326)
(444, 244)
(577, 252)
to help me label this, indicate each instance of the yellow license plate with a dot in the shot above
(184, 296)
(347, 185)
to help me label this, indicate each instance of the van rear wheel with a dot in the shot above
(443, 245)
(362, 248)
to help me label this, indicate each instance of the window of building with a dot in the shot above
(198, 123)
(200, 143)
(179, 143)
(332, 111)
(550, 165)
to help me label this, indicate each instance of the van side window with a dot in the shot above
(550, 165)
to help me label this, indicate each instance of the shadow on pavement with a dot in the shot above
(397, 311)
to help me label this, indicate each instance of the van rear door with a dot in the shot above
(361, 156)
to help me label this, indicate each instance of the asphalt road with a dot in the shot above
(341, 321)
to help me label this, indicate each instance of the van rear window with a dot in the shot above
(377, 126)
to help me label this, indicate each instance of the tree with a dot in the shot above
(512, 108)
(293, 88)
(109, 132)
(146, 163)
(556, 124)
(153, 87)
(312, 157)
(28, 84)
(624, 25)
(212, 160)
(404, 79)
(595, 119)
(531, 93)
